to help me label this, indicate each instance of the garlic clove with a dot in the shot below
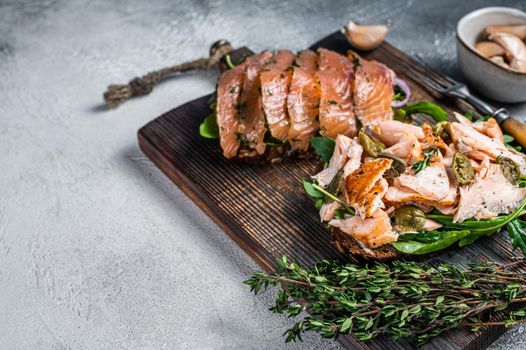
(500, 61)
(365, 37)
(489, 49)
(519, 65)
(517, 30)
(515, 47)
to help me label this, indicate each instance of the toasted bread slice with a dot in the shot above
(348, 245)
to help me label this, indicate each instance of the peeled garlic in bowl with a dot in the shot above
(365, 37)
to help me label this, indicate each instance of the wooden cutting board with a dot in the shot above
(264, 209)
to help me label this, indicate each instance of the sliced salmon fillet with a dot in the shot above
(335, 76)
(373, 232)
(491, 194)
(303, 101)
(252, 122)
(476, 144)
(275, 79)
(363, 188)
(228, 94)
(373, 90)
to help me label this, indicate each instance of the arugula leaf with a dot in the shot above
(508, 138)
(469, 115)
(517, 234)
(208, 127)
(441, 241)
(422, 236)
(429, 108)
(311, 191)
(324, 147)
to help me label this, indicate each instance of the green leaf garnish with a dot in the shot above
(517, 234)
(324, 147)
(209, 128)
(311, 191)
(437, 241)
(431, 109)
(508, 138)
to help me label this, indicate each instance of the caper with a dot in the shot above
(441, 129)
(335, 185)
(410, 218)
(397, 167)
(462, 169)
(370, 145)
(510, 170)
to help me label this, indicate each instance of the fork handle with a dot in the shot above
(515, 128)
(481, 106)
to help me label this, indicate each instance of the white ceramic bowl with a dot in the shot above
(490, 79)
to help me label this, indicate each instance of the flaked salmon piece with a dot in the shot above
(430, 139)
(371, 201)
(335, 77)
(462, 119)
(328, 210)
(344, 146)
(275, 80)
(354, 157)
(489, 195)
(373, 232)
(490, 128)
(228, 95)
(408, 149)
(472, 142)
(252, 122)
(431, 183)
(396, 196)
(389, 132)
(373, 90)
(363, 186)
(303, 101)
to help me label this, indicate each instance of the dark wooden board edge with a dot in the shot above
(479, 340)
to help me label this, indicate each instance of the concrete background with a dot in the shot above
(99, 250)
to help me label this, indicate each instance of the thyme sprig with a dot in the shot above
(422, 164)
(405, 299)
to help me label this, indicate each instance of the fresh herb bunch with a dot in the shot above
(402, 300)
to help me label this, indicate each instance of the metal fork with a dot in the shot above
(447, 86)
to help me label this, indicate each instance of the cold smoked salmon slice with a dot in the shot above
(252, 118)
(335, 76)
(303, 101)
(275, 80)
(373, 90)
(228, 95)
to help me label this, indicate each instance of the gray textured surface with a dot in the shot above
(98, 249)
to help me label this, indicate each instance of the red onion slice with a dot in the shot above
(402, 84)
